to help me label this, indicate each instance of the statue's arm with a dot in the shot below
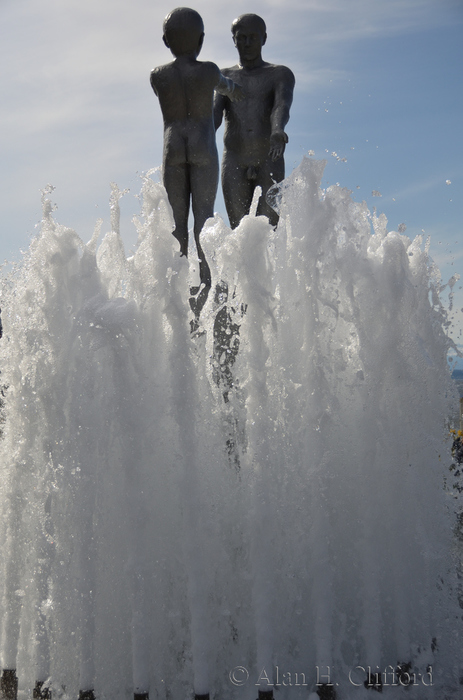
(153, 80)
(219, 106)
(228, 88)
(279, 117)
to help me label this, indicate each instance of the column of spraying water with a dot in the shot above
(338, 221)
(126, 378)
(171, 297)
(14, 500)
(308, 402)
(372, 398)
(90, 453)
(46, 555)
(133, 460)
(83, 465)
(252, 259)
(80, 461)
(140, 377)
(186, 406)
(372, 499)
(375, 365)
(72, 314)
(11, 602)
(146, 269)
(370, 508)
(405, 376)
(226, 478)
(33, 434)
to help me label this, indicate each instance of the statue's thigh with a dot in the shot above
(237, 191)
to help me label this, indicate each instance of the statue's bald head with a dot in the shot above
(183, 31)
(249, 21)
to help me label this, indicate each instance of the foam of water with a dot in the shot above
(169, 516)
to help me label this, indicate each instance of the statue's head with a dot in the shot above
(249, 34)
(183, 31)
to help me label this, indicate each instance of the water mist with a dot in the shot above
(257, 506)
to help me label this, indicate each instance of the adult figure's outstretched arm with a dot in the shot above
(284, 88)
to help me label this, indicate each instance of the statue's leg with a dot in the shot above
(269, 174)
(237, 189)
(204, 182)
(177, 183)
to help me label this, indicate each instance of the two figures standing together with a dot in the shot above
(254, 97)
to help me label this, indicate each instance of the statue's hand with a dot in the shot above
(278, 141)
(238, 93)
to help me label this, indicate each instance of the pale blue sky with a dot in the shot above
(378, 83)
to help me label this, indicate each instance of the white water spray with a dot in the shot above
(169, 515)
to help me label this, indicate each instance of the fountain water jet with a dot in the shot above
(140, 557)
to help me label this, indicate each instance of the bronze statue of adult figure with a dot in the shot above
(254, 139)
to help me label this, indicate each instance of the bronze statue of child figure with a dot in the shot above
(185, 88)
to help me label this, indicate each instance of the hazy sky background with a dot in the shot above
(378, 95)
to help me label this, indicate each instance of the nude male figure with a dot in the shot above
(185, 88)
(254, 140)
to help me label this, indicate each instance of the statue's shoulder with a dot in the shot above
(162, 69)
(282, 72)
(208, 70)
(160, 72)
(209, 67)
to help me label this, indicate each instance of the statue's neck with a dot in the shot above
(252, 65)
